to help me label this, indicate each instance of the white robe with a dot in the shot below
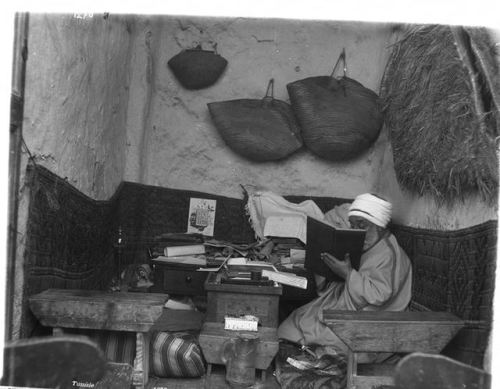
(383, 282)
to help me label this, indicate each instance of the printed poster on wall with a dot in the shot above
(201, 216)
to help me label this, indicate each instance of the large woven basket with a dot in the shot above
(197, 68)
(260, 130)
(339, 117)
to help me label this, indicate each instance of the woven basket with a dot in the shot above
(260, 130)
(339, 118)
(197, 68)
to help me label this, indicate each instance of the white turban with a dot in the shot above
(372, 208)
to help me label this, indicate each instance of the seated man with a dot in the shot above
(383, 281)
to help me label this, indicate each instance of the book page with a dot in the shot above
(287, 226)
(184, 259)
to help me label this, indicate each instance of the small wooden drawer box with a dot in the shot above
(232, 299)
(179, 279)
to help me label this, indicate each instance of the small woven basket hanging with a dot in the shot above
(260, 130)
(197, 68)
(339, 118)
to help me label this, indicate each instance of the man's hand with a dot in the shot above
(341, 268)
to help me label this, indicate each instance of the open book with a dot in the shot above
(324, 238)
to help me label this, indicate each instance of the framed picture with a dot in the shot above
(201, 218)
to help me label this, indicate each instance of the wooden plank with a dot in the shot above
(352, 367)
(118, 311)
(96, 295)
(213, 337)
(370, 382)
(417, 371)
(394, 331)
(140, 373)
(388, 316)
(395, 337)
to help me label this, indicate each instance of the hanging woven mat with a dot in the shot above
(441, 88)
(260, 130)
(197, 68)
(339, 117)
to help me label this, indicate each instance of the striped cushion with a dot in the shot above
(117, 346)
(176, 355)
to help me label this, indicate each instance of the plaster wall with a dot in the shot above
(181, 148)
(102, 106)
(76, 98)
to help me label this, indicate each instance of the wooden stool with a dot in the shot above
(115, 311)
(391, 332)
(213, 336)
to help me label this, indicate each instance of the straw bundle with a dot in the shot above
(442, 112)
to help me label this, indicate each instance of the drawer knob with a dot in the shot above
(188, 279)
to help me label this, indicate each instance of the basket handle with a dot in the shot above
(270, 86)
(214, 46)
(341, 57)
(198, 46)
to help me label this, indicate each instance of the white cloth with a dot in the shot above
(382, 283)
(372, 208)
(338, 216)
(264, 205)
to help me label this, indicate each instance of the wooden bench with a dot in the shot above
(390, 332)
(420, 370)
(114, 311)
(52, 362)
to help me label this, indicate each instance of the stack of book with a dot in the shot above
(190, 254)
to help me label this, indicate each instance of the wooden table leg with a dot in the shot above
(141, 361)
(57, 331)
(352, 368)
(208, 377)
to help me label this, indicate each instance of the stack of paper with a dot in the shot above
(286, 278)
(184, 259)
(191, 249)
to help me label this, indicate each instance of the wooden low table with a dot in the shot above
(114, 311)
(392, 332)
